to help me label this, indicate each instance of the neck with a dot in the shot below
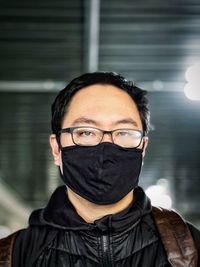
(91, 212)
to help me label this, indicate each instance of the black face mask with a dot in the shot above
(102, 174)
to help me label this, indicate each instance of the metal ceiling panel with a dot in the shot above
(41, 40)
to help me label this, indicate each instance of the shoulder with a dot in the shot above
(177, 234)
(30, 242)
(6, 248)
(194, 231)
(196, 236)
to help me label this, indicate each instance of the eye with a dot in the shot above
(123, 133)
(85, 133)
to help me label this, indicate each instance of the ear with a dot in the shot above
(145, 144)
(55, 150)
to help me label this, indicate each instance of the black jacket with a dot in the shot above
(58, 236)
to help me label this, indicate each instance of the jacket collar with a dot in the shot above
(60, 213)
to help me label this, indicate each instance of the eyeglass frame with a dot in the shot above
(71, 129)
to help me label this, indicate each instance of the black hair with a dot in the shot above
(61, 102)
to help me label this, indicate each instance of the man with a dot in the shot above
(100, 217)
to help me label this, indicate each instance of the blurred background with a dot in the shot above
(46, 43)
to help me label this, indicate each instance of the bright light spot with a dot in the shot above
(192, 74)
(192, 91)
(192, 87)
(158, 196)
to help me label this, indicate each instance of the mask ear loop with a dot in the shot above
(58, 140)
(143, 143)
(59, 145)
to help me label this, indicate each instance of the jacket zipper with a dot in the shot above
(106, 253)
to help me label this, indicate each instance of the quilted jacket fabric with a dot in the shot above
(58, 236)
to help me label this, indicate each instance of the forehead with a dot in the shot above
(102, 93)
(102, 102)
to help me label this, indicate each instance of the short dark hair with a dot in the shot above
(61, 102)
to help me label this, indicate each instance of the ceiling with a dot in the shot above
(148, 41)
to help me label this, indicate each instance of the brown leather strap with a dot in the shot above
(6, 247)
(176, 238)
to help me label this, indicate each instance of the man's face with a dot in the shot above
(102, 106)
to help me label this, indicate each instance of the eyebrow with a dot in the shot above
(96, 123)
(127, 121)
(84, 120)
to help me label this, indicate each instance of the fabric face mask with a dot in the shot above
(102, 174)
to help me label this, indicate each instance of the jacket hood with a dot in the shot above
(61, 214)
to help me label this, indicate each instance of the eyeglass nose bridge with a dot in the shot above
(107, 132)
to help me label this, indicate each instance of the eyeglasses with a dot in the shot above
(91, 136)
